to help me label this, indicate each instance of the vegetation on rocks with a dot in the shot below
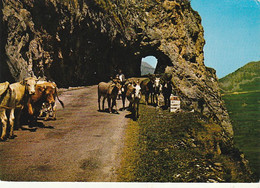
(181, 147)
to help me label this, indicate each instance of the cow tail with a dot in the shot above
(62, 104)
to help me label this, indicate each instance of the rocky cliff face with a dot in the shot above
(77, 42)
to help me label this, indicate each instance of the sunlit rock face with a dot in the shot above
(81, 42)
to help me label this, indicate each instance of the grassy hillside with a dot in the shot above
(178, 147)
(244, 112)
(246, 78)
(241, 93)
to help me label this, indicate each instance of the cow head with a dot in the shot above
(117, 84)
(157, 82)
(46, 91)
(30, 84)
(50, 93)
(137, 91)
(123, 87)
(157, 85)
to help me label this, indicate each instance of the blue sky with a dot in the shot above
(231, 31)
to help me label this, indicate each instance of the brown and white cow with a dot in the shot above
(151, 88)
(108, 91)
(45, 96)
(157, 88)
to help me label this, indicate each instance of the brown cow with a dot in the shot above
(108, 91)
(148, 89)
(151, 88)
(49, 108)
(45, 95)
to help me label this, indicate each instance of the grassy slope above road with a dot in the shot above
(241, 93)
(167, 147)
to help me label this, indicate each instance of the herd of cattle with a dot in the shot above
(34, 98)
(132, 90)
(31, 98)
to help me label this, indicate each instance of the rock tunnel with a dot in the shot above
(79, 42)
(162, 61)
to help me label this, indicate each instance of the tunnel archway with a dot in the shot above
(148, 65)
(157, 59)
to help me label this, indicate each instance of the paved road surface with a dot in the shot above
(81, 145)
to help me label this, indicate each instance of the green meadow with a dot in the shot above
(244, 111)
(241, 93)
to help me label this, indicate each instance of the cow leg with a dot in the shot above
(168, 101)
(123, 101)
(114, 104)
(17, 119)
(137, 109)
(133, 111)
(146, 98)
(54, 108)
(4, 123)
(11, 121)
(41, 113)
(103, 104)
(99, 97)
(156, 98)
(47, 115)
(130, 105)
(49, 110)
(109, 104)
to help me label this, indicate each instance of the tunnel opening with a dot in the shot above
(148, 65)
(154, 63)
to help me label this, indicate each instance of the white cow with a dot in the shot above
(22, 90)
(7, 106)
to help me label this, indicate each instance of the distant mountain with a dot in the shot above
(146, 68)
(246, 78)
